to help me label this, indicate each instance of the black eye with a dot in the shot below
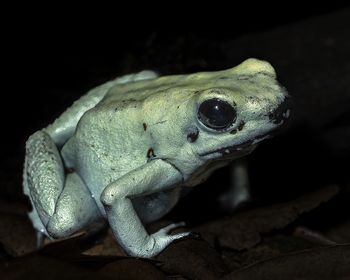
(216, 114)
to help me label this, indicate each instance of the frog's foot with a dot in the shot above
(162, 238)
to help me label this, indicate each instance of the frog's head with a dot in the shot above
(227, 113)
(245, 108)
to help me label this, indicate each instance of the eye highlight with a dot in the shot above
(216, 114)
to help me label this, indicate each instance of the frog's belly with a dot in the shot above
(149, 207)
(153, 207)
(203, 173)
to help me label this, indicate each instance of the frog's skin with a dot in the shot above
(123, 151)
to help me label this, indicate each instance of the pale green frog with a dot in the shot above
(124, 150)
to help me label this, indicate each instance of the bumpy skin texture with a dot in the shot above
(132, 143)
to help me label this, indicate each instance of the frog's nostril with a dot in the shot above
(282, 112)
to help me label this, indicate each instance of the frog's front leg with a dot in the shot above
(156, 175)
(239, 190)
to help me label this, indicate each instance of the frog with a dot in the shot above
(124, 152)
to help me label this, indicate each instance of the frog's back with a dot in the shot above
(64, 126)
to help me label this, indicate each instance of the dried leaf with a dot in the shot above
(108, 246)
(40, 267)
(317, 263)
(271, 246)
(242, 231)
(131, 268)
(67, 248)
(17, 234)
(192, 258)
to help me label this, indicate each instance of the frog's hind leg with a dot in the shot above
(61, 204)
(75, 209)
(43, 178)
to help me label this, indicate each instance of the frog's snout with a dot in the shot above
(282, 113)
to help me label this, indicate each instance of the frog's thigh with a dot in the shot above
(75, 209)
(43, 177)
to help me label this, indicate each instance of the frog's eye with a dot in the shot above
(216, 114)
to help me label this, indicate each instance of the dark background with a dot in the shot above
(49, 66)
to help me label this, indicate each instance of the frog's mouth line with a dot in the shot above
(245, 147)
(240, 148)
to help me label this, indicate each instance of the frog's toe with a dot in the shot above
(162, 237)
(162, 240)
(172, 226)
(181, 235)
